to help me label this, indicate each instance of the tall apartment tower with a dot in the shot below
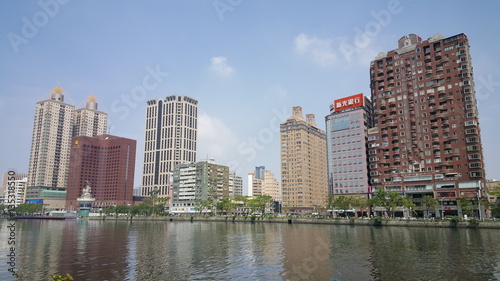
(89, 121)
(50, 146)
(426, 139)
(346, 137)
(107, 163)
(170, 139)
(303, 162)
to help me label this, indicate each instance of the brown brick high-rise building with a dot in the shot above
(426, 139)
(108, 164)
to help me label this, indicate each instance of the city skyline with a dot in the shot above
(288, 52)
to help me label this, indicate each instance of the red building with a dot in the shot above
(108, 164)
(426, 139)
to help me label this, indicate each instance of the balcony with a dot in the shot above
(473, 148)
(440, 115)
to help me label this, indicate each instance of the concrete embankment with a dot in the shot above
(354, 222)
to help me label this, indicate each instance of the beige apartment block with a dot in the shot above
(89, 121)
(303, 162)
(50, 147)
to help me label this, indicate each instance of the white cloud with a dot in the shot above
(221, 68)
(215, 139)
(320, 49)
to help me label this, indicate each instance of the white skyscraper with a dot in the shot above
(170, 139)
(89, 121)
(50, 146)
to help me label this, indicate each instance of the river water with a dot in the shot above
(120, 250)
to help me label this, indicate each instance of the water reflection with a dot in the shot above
(109, 250)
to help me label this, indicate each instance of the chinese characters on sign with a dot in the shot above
(349, 102)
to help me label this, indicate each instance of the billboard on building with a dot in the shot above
(349, 102)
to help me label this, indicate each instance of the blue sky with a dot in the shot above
(246, 61)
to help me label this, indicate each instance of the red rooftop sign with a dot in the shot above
(349, 102)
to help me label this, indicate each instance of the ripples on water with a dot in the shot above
(96, 250)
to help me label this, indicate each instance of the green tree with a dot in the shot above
(259, 203)
(243, 200)
(154, 194)
(108, 210)
(28, 208)
(343, 203)
(329, 202)
(147, 201)
(134, 210)
(158, 209)
(390, 201)
(165, 202)
(495, 212)
(202, 205)
(225, 205)
(408, 203)
(358, 202)
(122, 209)
(428, 203)
(466, 204)
(145, 209)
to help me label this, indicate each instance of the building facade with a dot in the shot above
(15, 194)
(303, 162)
(346, 137)
(235, 185)
(170, 139)
(200, 181)
(271, 186)
(89, 121)
(50, 146)
(426, 139)
(263, 182)
(56, 122)
(107, 164)
(5, 184)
